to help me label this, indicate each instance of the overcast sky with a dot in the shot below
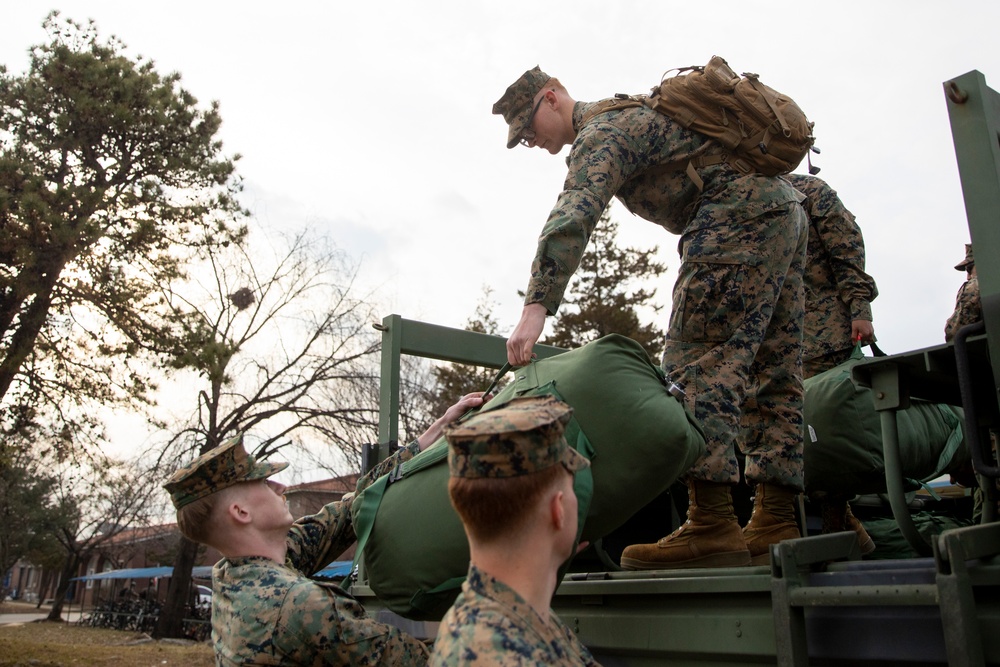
(372, 122)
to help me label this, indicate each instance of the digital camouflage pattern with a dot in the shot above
(516, 104)
(216, 469)
(522, 437)
(618, 154)
(968, 261)
(736, 322)
(837, 289)
(490, 624)
(968, 308)
(734, 345)
(269, 613)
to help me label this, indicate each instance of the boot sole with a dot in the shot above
(728, 559)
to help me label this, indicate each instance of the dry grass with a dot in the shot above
(45, 644)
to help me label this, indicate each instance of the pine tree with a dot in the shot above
(112, 177)
(606, 294)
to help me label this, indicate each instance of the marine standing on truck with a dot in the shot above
(968, 308)
(511, 483)
(736, 323)
(265, 608)
(838, 292)
(838, 312)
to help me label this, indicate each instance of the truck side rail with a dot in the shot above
(963, 373)
(401, 336)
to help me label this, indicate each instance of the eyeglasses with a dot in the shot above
(528, 135)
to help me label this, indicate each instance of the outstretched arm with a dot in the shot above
(313, 541)
(526, 334)
(431, 435)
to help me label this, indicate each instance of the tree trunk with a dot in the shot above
(22, 341)
(171, 623)
(68, 572)
(44, 584)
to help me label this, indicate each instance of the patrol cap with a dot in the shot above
(968, 261)
(219, 468)
(516, 104)
(522, 437)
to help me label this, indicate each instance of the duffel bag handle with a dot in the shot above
(490, 389)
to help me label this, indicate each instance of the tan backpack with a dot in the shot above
(765, 130)
(758, 129)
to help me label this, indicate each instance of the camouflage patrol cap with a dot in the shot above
(219, 468)
(968, 261)
(522, 437)
(515, 105)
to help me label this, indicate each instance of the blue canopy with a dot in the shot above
(200, 572)
(335, 570)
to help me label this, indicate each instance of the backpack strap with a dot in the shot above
(770, 99)
(690, 167)
(619, 101)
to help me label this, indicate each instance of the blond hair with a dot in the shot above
(197, 521)
(492, 508)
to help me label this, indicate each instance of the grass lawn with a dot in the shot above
(45, 644)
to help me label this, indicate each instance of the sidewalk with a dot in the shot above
(14, 613)
(16, 619)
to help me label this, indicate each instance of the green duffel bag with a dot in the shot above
(843, 436)
(638, 437)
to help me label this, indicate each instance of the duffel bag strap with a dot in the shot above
(370, 500)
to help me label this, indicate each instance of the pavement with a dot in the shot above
(72, 616)
(17, 619)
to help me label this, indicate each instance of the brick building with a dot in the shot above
(152, 547)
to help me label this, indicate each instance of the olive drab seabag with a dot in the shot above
(638, 437)
(760, 129)
(843, 437)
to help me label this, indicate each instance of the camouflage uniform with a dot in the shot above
(968, 309)
(266, 613)
(837, 289)
(490, 624)
(736, 323)
(522, 437)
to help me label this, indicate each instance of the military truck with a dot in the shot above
(818, 602)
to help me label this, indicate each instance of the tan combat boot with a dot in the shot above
(837, 517)
(710, 537)
(772, 521)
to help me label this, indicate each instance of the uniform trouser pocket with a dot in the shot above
(709, 297)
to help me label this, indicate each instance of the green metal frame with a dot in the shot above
(401, 336)
(964, 589)
(765, 616)
(932, 373)
(747, 615)
(974, 111)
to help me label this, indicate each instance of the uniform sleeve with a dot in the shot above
(841, 237)
(401, 455)
(318, 626)
(315, 540)
(967, 309)
(602, 158)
